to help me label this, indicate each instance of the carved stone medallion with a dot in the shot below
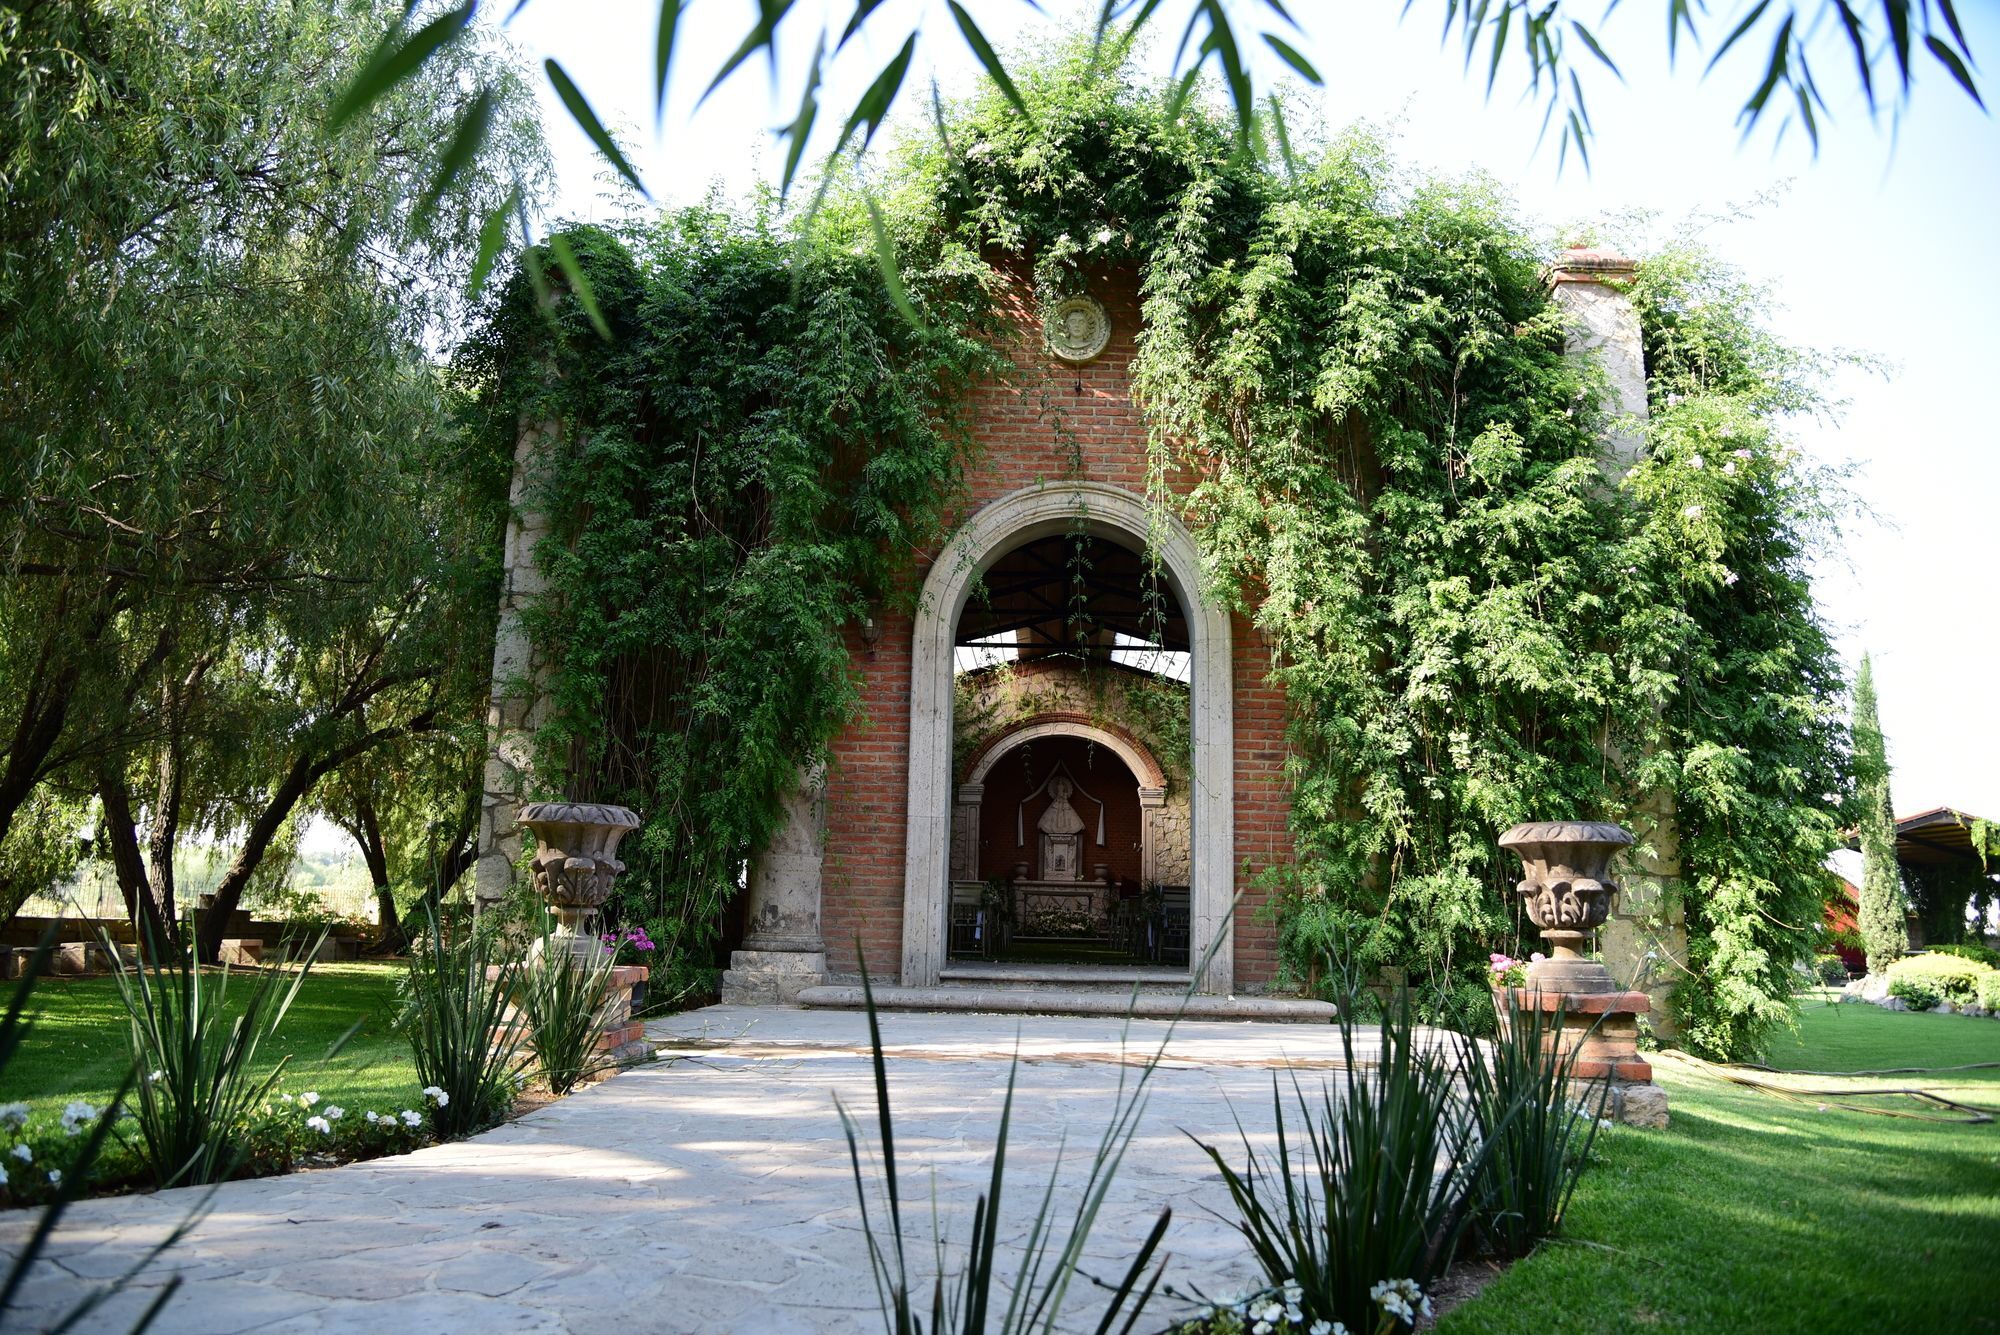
(1078, 329)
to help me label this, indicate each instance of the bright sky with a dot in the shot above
(1884, 243)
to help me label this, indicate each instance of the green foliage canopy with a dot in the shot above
(1397, 477)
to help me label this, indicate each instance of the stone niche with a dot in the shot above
(1026, 731)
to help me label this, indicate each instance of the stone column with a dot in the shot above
(783, 954)
(517, 704)
(1152, 805)
(1591, 286)
(1644, 943)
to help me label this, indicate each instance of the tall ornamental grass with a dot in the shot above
(1538, 1133)
(194, 1061)
(1373, 1187)
(466, 1045)
(562, 1000)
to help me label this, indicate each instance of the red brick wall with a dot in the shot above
(1022, 445)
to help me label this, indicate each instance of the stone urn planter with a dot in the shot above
(575, 863)
(1567, 894)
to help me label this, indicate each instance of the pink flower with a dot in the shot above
(1537, 957)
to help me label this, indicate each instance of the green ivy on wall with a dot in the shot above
(1397, 479)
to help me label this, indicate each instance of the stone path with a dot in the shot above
(708, 1192)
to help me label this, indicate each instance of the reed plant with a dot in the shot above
(562, 999)
(1372, 1189)
(468, 1049)
(1538, 1124)
(975, 1301)
(194, 1062)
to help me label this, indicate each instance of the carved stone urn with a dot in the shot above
(1567, 895)
(576, 861)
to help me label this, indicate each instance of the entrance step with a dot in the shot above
(1081, 977)
(1049, 1000)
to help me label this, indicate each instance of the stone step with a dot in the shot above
(1070, 1001)
(1120, 978)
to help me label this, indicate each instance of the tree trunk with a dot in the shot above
(298, 780)
(367, 831)
(152, 929)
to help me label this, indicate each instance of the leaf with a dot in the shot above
(1500, 26)
(492, 235)
(762, 34)
(663, 52)
(1780, 62)
(1898, 14)
(1283, 135)
(466, 141)
(580, 112)
(885, 260)
(1749, 22)
(1863, 66)
(862, 9)
(875, 103)
(1290, 55)
(394, 61)
(800, 129)
(579, 283)
(984, 50)
(1595, 49)
(1949, 59)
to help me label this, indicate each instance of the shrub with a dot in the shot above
(1989, 991)
(1831, 969)
(1968, 951)
(562, 999)
(1381, 1189)
(1538, 1135)
(193, 1059)
(1921, 993)
(1955, 979)
(290, 1129)
(467, 1052)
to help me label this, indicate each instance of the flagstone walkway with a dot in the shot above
(709, 1191)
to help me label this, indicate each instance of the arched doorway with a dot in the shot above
(1125, 522)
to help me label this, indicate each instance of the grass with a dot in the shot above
(1756, 1214)
(79, 1048)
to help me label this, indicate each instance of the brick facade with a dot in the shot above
(1060, 423)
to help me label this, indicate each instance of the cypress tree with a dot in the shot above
(1883, 934)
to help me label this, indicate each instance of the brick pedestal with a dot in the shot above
(1602, 1029)
(624, 1036)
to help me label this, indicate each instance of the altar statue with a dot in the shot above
(1062, 835)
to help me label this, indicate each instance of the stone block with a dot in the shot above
(244, 952)
(70, 959)
(771, 977)
(1640, 1105)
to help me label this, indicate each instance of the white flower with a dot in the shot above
(1295, 1314)
(1326, 1328)
(1729, 577)
(1294, 1292)
(334, 1112)
(1104, 236)
(411, 1119)
(13, 1114)
(155, 1076)
(55, 1177)
(23, 1153)
(437, 1096)
(308, 1099)
(371, 1117)
(1692, 512)
(1729, 469)
(1270, 1312)
(284, 1098)
(1744, 454)
(319, 1124)
(1697, 462)
(76, 1116)
(1261, 1328)
(1603, 1124)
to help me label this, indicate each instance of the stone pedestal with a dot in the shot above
(782, 954)
(1602, 1030)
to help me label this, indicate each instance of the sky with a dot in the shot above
(1886, 242)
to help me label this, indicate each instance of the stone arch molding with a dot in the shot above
(1022, 516)
(1137, 759)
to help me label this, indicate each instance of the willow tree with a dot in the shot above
(232, 503)
(1884, 934)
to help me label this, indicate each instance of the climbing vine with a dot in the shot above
(1359, 399)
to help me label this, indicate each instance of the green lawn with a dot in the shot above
(79, 1046)
(1754, 1214)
